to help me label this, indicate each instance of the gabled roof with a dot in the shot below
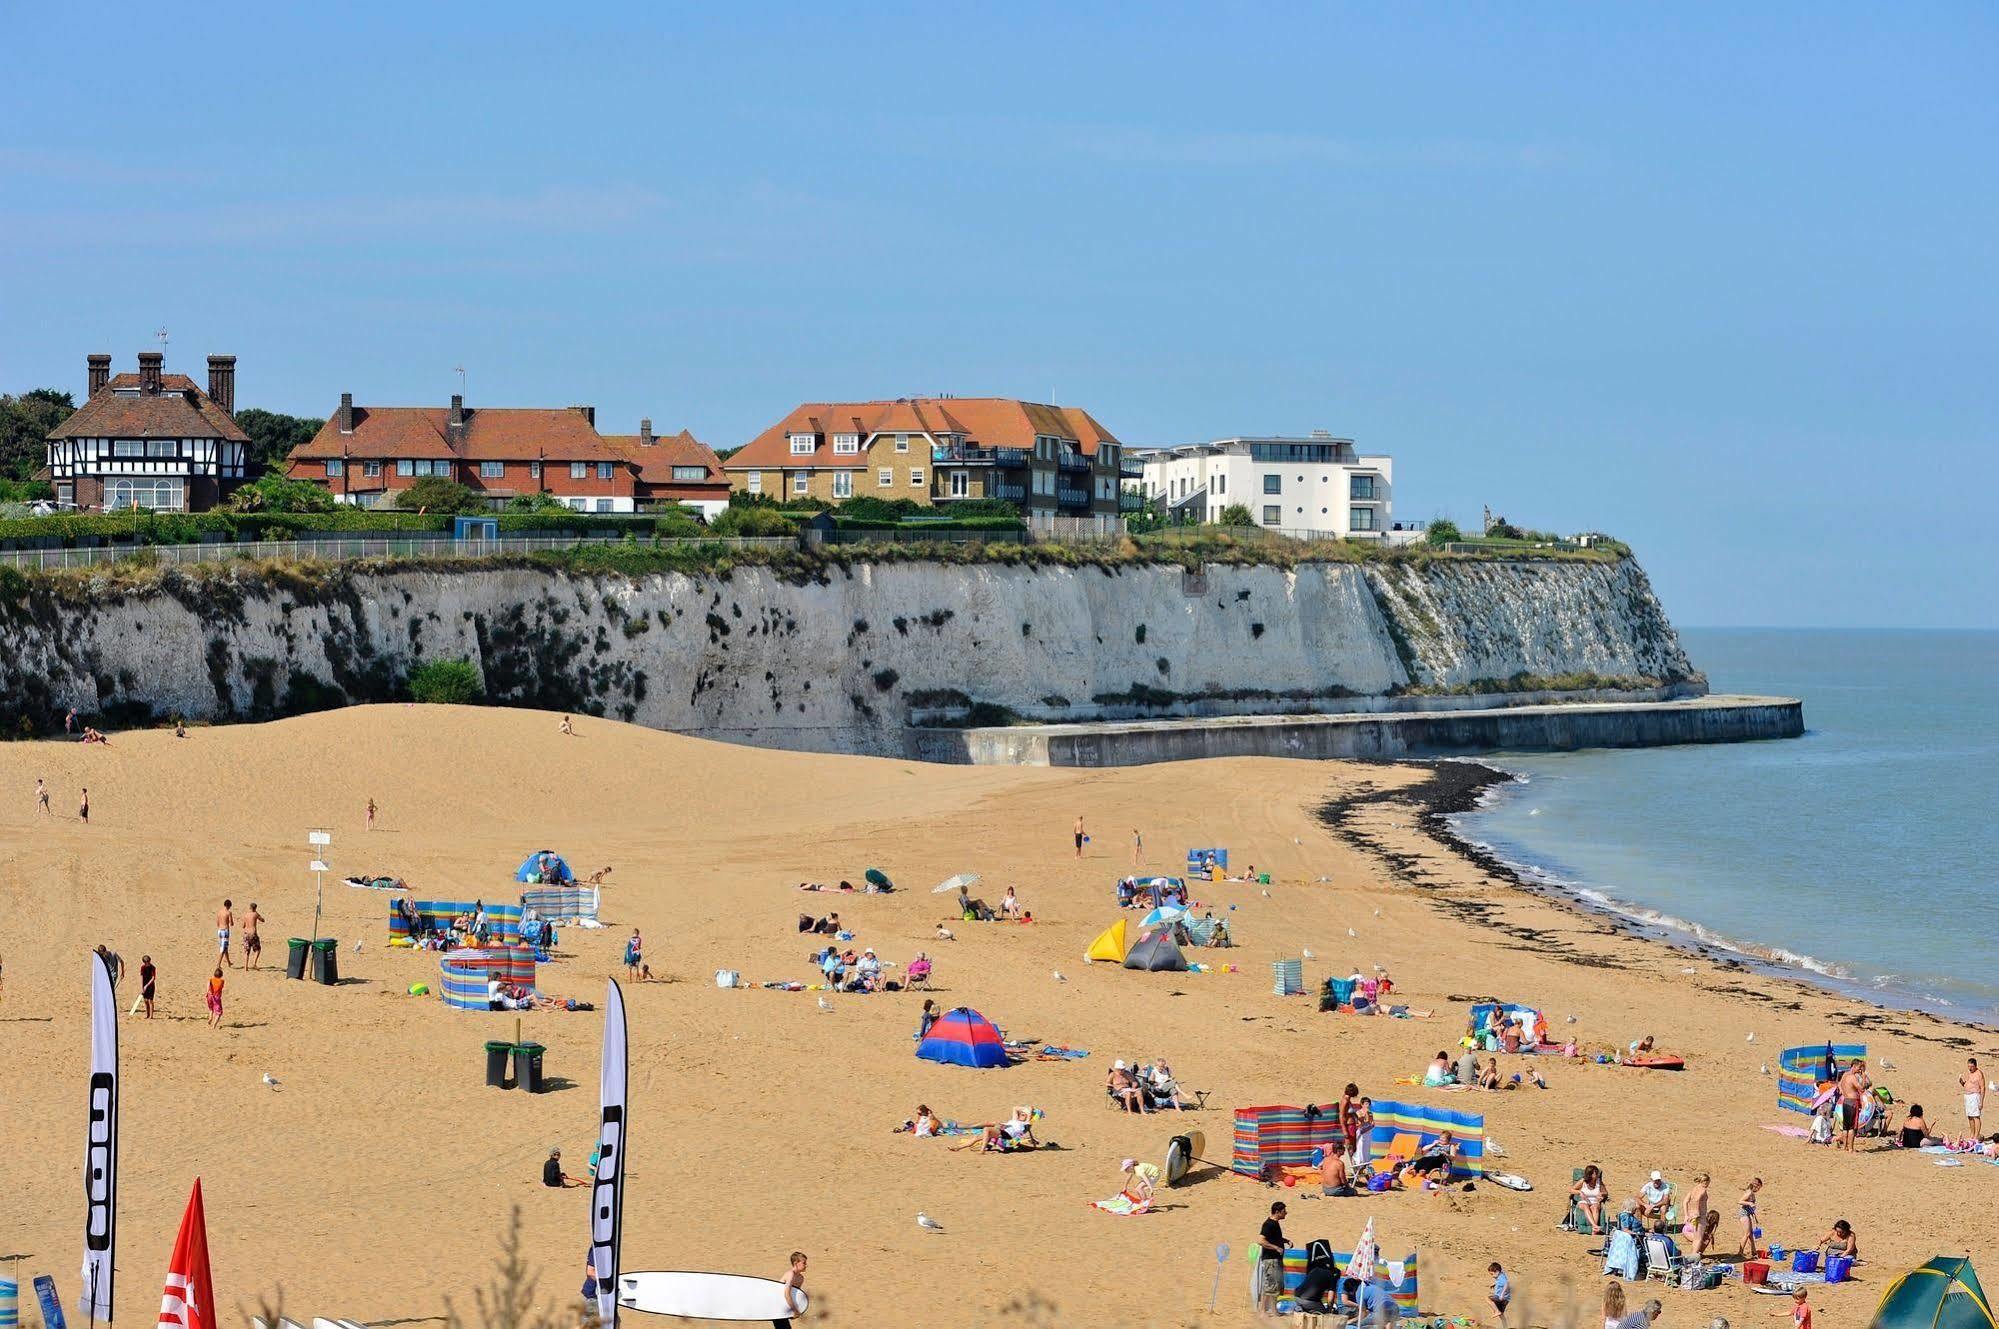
(180, 410)
(655, 461)
(491, 433)
(995, 422)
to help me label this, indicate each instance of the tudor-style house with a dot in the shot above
(365, 454)
(1049, 461)
(150, 440)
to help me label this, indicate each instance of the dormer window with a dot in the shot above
(803, 444)
(846, 444)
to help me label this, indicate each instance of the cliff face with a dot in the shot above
(842, 662)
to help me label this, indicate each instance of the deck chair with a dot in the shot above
(1573, 1220)
(1402, 1149)
(1663, 1259)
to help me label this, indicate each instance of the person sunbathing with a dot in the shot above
(1437, 1157)
(919, 973)
(1016, 1132)
(1916, 1130)
(1439, 1073)
(1489, 1077)
(945, 934)
(1164, 1090)
(1588, 1194)
(925, 1123)
(1124, 1088)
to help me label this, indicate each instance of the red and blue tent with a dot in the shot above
(531, 868)
(963, 1037)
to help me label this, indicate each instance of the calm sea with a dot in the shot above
(1866, 852)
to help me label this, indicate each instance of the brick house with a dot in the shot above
(150, 440)
(681, 469)
(365, 454)
(1050, 461)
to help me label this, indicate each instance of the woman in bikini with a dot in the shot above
(1696, 1207)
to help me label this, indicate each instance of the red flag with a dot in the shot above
(189, 1299)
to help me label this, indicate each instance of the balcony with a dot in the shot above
(1071, 497)
(1130, 501)
(1070, 461)
(971, 454)
(1013, 493)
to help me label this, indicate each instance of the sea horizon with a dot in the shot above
(1846, 857)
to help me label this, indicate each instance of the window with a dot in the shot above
(961, 484)
(373, 468)
(801, 445)
(916, 477)
(755, 484)
(604, 469)
(534, 470)
(1272, 514)
(405, 467)
(162, 447)
(335, 468)
(579, 470)
(1361, 488)
(801, 481)
(492, 470)
(690, 472)
(843, 484)
(885, 477)
(846, 445)
(1361, 519)
(1221, 482)
(128, 447)
(902, 442)
(1273, 484)
(603, 505)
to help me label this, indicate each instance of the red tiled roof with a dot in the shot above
(491, 433)
(997, 422)
(180, 410)
(655, 461)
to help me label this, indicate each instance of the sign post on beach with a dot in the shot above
(320, 841)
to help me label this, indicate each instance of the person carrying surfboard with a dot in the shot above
(794, 1280)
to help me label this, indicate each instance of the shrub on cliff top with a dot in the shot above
(446, 682)
(752, 521)
(434, 493)
(1443, 531)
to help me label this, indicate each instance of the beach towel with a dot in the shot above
(1795, 1132)
(1124, 1203)
(1052, 1053)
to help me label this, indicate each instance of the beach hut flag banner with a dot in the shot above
(1427, 1123)
(100, 1149)
(1801, 1070)
(607, 1196)
(188, 1300)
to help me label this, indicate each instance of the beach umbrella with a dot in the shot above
(964, 881)
(1364, 1255)
(877, 876)
(1161, 916)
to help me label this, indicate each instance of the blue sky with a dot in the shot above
(1723, 282)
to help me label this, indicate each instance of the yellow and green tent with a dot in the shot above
(1943, 1294)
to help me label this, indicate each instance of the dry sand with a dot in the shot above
(377, 1177)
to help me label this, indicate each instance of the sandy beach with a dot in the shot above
(376, 1177)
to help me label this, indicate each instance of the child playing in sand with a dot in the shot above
(1748, 1248)
(1502, 1291)
(215, 1000)
(1799, 1310)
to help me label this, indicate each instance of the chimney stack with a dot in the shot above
(149, 372)
(343, 419)
(645, 434)
(588, 413)
(222, 382)
(100, 372)
(455, 429)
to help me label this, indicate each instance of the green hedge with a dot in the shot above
(172, 528)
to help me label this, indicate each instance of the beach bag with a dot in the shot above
(1804, 1262)
(1837, 1267)
(728, 978)
(1620, 1258)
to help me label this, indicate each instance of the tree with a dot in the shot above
(541, 502)
(1443, 531)
(273, 435)
(271, 492)
(1235, 514)
(25, 422)
(752, 521)
(446, 682)
(434, 493)
(1148, 516)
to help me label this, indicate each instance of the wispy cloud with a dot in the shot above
(1263, 148)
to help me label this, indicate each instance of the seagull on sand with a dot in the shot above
(270, 1080)
(928, 1224)
(1352, 933)
(1058, 976)
(825, 1005)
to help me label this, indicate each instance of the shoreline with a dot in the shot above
(1457, 786)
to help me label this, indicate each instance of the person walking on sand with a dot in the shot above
(1799, 1310)
(69, 721)
(225, 919)
(1973, 1084)
(148, 980)
(1270, 1265)
(1748, 1248)
(42, 796)
(1080, 837)
(253, 945)
(793, 1283)
(1502, 1292)
(371, 814)
(83, 807)
(215, 1000)
(1137, 848)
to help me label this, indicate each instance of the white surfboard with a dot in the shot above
(1511, 1181)
(702, 1296)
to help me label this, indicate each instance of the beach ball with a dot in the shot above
(1290, 1180)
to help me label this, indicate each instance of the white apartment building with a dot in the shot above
(1312, 486)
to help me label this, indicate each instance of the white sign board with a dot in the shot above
(317, 865)
(318, 838)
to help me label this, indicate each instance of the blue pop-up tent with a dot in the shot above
(558, 871)
(963, 1037)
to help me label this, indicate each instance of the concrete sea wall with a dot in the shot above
(840, 659)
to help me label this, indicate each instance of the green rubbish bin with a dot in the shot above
(326, 961)
(295, 962)
(527, 1066)
(496, 1064)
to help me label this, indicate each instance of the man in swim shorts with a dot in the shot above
(253, 945)
(225, 919)
(1973, 1084)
